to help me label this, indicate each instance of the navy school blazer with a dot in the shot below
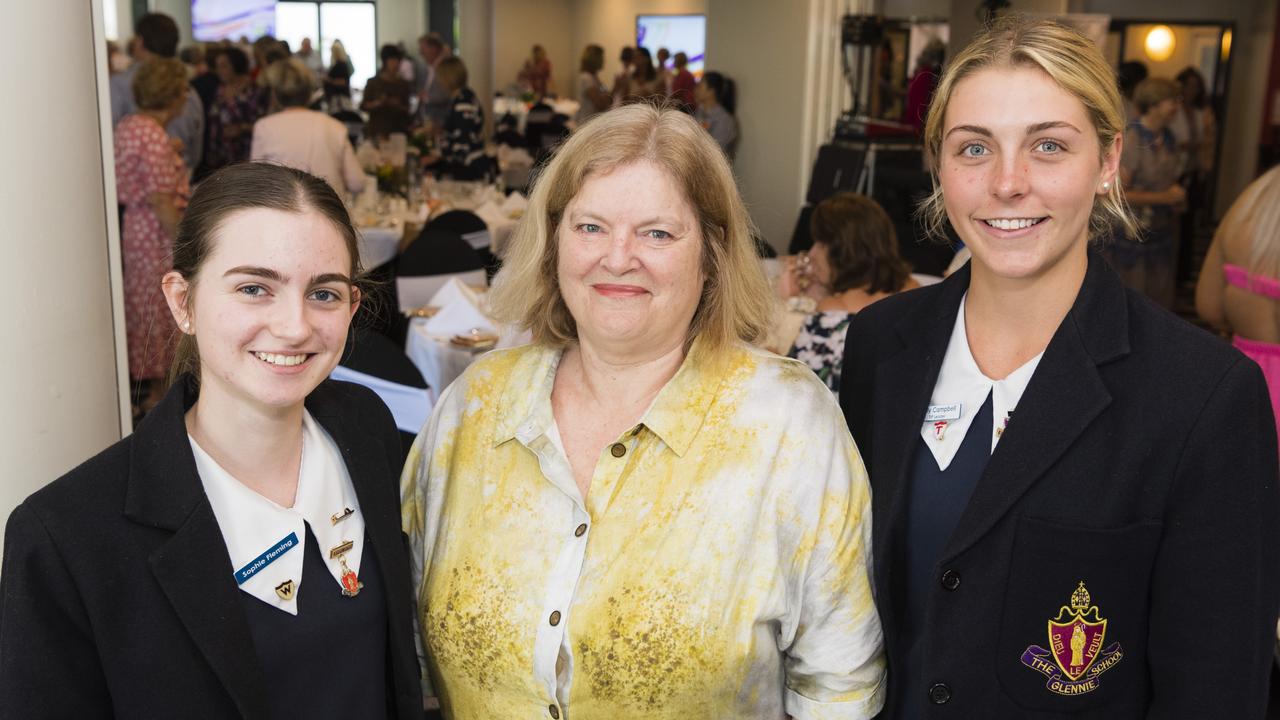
(1141, 465)
(117, 597)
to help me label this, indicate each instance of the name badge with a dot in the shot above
(266, 558)
(942, 412)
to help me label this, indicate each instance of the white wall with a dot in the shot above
(60, 384)
(401, 21)
(763, 46)
(519, 24)
(179, 10)
(476, 28)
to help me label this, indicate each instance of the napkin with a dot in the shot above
(458, 318)
(454, 291)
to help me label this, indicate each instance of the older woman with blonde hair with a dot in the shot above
(151, 183)
(302, 138)
(1075, 492)
(639, 514)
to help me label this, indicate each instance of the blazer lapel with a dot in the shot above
(903, 385)
(1065, 395)
(192, 567)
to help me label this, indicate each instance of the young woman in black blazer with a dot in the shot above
(240, 554)
(1075, 492)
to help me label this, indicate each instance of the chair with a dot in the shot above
(474, 230)
(373, 360)
(436, 256)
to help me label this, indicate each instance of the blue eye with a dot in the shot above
(589, 228)
(1049, 146)
(326, 295)
(659, 234)
(973, 150)
(252, 290)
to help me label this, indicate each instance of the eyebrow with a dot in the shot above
(587, 215)
(1031, 129)
(270, 274)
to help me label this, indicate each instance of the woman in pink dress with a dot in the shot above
(151, 182)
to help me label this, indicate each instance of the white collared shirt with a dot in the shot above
(267, 542)
(961, 390)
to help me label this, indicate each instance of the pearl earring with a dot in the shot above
(186, 325)
(1106, 187)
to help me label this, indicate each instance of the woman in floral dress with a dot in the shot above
(151, 182)
(239, 104)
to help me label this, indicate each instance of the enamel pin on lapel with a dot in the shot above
(1075, 658)
(340, 516)
(1007, 417)
(286, 590)
(340, 549)
(351, 584)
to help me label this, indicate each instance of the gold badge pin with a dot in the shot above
(341, 549)
(340, 516)
(285, 590)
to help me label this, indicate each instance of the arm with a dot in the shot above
(165, 206)
(49, 663)
(352, 173)
(1216, 580)
(1211, 287)
(1172, 195)
(834, 664)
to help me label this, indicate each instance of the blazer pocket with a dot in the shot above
(1074, 629)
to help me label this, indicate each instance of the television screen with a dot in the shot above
(676, 33)
(231, 19)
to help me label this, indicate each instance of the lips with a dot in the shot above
(619, 291)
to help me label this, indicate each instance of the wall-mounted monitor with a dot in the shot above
(232, 19)
(676, 33)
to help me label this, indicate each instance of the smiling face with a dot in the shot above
(1019, 168)
(270, 308)
(630, 261)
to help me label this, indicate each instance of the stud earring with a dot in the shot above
(186, 325)
(1106, 186)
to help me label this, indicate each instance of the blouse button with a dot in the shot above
(618, 450)
(580, 531)
(555, 712)
(555, 618)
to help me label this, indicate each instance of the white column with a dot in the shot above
(61, 377)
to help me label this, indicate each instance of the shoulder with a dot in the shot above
(95, 488)
(496, 371)
(784, 387)
(1170, 351)
(881, 318)
(356, 402)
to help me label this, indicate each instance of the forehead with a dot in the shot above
(640, 187)
(305, 242)
(1013, 98)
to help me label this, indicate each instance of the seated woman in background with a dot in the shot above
(462, 153)
(590, 532)
(716, 102)
(854, 262)
(301, 138)
(1240, 282)
(162, 573)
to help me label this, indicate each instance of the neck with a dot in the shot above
(616, 381)
(1011, 320)
(261, 449)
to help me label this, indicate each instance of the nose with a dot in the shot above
(289, 320)
(1011, 177)
(620, 257)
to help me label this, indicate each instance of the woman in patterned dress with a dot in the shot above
(151, 182)
(854, 262)
(240, 102)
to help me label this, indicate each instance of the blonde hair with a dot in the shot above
(452, 73)
(160, 82)
(1070, 60)
(1256, 215)
(1153, 91)
(736, 299)
(291, 80)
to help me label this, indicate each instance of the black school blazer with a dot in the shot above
(1140, 461)
(117, 592)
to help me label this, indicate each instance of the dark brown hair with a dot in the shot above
(862, 248)
(246, 186)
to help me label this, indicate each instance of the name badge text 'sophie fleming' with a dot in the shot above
(266, 558)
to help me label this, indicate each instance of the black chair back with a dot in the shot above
(372, 353)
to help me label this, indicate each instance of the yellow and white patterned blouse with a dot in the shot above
(719, 567)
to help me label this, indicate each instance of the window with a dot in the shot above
(351, 22)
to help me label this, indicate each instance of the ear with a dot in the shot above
(356, 299)
(1111, 163)
(177, 294)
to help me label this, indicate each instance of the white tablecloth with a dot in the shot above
(504, 104)
(379, 245)
(440, 361)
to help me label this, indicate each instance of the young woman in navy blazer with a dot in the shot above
(1075, 492)
(240, 554)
